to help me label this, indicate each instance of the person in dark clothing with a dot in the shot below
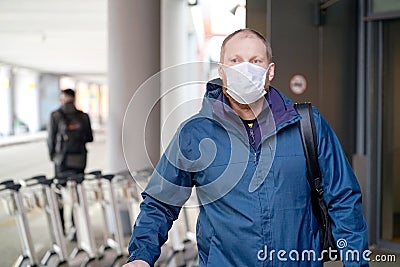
(69, 130)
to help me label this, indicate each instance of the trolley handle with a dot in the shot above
(96, 173)
(47, 182)
(42, 180)
(7, 182)
(9, 185)
(108, 177)
(93, 175)
(35, 180)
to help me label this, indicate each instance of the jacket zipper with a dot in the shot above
(253, 142)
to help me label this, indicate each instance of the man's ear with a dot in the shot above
(271, 71)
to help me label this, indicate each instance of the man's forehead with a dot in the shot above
(238, 38)
(242, 35)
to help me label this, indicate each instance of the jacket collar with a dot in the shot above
(278, 110)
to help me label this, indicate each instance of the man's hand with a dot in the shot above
(136, 263)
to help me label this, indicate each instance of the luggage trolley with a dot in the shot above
(16, 207)
(128, 192)
(50, 206)
(112, 191)
(99, 197)
(84, 232)
(106, 195)
(128, 188)
(117, 243)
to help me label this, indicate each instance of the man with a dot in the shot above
(243, 152)
(69, 130)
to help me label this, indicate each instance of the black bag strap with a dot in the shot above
(66, 117)
(309, 139)
(63, 115)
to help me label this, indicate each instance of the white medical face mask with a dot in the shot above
(245, 82)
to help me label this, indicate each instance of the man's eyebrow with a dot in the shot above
(258, 56)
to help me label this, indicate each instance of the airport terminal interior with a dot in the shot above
(139, 69)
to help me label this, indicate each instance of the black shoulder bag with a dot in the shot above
(308, 135)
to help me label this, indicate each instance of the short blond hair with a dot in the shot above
(247, 33)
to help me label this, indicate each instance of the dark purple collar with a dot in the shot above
(277, 112)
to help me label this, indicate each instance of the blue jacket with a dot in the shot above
(255, 207)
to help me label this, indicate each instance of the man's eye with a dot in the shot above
(235, 60)
(256, 61)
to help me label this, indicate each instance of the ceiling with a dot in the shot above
(69, 37)
(56, 36)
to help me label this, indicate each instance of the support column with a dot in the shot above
(133, 56)
(174, 42)
(173, 52)
(181, 90)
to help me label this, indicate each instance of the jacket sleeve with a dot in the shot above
(51, 135)
(169, 188)
(342, 195)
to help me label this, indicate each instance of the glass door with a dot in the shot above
(390, 179)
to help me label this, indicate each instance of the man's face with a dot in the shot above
(245, 49)
(250, 49)
(65, 98)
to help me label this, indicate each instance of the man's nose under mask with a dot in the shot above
(246, 82)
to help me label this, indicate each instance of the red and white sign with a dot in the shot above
(298, 84)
